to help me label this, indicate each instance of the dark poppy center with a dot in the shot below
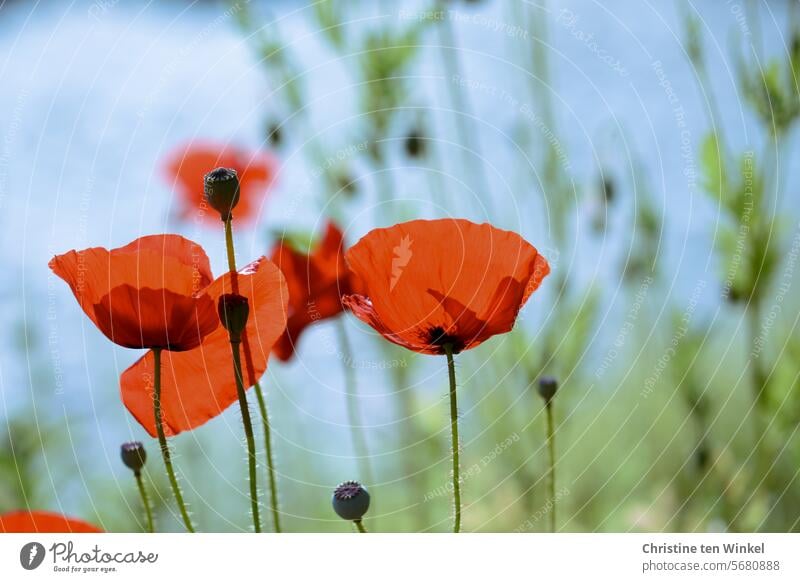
(437, 336)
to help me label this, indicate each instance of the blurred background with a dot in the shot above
(649, 151)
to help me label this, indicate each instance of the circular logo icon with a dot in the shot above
(31, 555)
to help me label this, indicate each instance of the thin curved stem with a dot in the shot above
(162, 441)
(551, 447)
(273, 488)
(248, 432)
(353, 409)
(360, 526)
(454, 443)
(145, 501)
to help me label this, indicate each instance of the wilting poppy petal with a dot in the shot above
(198, 384)
(43, 522)
(316, 284)
(423, 283)
(145, 294)
(187, 165)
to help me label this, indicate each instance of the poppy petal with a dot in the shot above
(423, 278)
(197, 385)
(143, 318)
(169, 265)
(43, 522)
(186, 167)
(316, 283)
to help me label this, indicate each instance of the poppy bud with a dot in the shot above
(233, 312)
(133, 455)
(221, 187)
(274, 134)
(415, 144)
(547, 388)
(350, 500)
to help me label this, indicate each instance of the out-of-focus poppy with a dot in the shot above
(158, 292)
(316, 282)
(187, 165)
(43, 522)
(425, 284)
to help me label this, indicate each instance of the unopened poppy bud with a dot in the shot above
(221, 187)
(233, 312)
(350, 501)
(547, 388)
(274, 134)
(133, 455)
(415, 144)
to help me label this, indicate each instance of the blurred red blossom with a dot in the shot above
(186, 166)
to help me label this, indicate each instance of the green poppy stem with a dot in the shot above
(145, 501)
(360, 526)
(454, 442)
(229, 246)
(353, 409)
(273, 489)
(248, 432)
(162, 441)
(262, 405)
(551, 447)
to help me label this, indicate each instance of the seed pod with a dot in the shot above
(221, 187)
(547, 388)
(133, 455)
(233, 313)
(350, 500)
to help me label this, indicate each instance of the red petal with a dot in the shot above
(169, 266)
(43, 522)
(316, 284)
(198, 384)
(469, 279)
(187, 166)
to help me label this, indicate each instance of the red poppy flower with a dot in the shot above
(316, 284)
(158, 292)
(186, 167)
(43, 522)
(147, 294)
(427, 284)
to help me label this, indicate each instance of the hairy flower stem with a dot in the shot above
(551, 447)
(145, 501)
(360, 526)
(248, 431)
(262, 405)
(353, 409)
(273, 488)
(162, 440)
(454, 442)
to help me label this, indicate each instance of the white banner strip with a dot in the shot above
(401, 557)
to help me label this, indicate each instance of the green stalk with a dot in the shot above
(262, 406)
(162, 441)
(248, 431)
(360, 526)
(451, 368)
(273, 489)
(145, 502)
(551, 447)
